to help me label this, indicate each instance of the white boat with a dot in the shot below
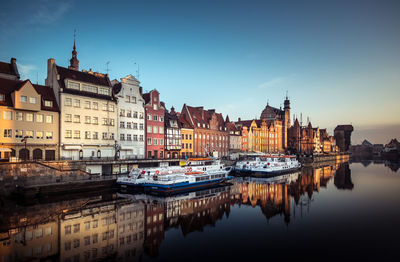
(268, 164)
(196, 173)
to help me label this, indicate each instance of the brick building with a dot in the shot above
(154, 124)
(172, 127)
(210, 133)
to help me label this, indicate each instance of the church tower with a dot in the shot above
(74, 62)
(286, 120)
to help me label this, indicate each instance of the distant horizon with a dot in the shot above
(339, 61)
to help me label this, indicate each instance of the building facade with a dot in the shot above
(210, 134)
(29, 117)
(131, 121)
(172, 127)
(88, 122)
(154, 124)
(187, 138)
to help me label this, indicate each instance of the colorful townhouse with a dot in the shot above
(172, 127)
(88, 119)
(187, 138)
(154, 124)
(210, 134)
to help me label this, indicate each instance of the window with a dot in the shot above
(128, 125)
(73, 85)
(67, 230)
(127, 99)
(88, 88)
(122, 137)
(49, 135)
(135, 138)
(87, 134)
(129, 137)
(76, 243)
(29, 133)
(95, 135)
(135, 126)
(48, 103)
(149, 129)
(155, 141)
(68, 133)
(19, 116)
(135, 114)
(95, 238)
(87, 119)
(68, 102)
(155, 106)
(141, 126)
(161, 141)
(112, 122)
(95, 121)
(32, 100)
(141, 138)
(7, 115)
(2, 97)
(77, 118)
(161, 130)
(95, 105)
(128, 113)
(39, 135)
(141, 115)
(86, 240)
(19, 133)
(122, 124)
(95, 223)
(29, 117)
(148, 141)
(161, 118)
(87, 104)
(111, 108)
(134, 99)
(104, 135)
(148, 117)
(23, 99)
(104, 122)
(39, 233)
(112, 136)
(48, 231)
(77, 134)
(77, 103)
(105, 107)
(155, 129)
(68, 117)
(67, 245)
(104, 91)
(155, 118)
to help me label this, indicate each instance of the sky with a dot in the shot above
(339, 61)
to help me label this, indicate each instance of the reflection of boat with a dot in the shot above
(279, 179)
(197, 173)
(268, 164)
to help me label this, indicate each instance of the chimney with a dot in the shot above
(50, 65)
(14, 67)
(239, 119)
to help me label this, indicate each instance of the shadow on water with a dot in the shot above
(134, 227)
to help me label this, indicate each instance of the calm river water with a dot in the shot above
(336, 212)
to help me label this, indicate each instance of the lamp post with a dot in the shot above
(115, 150)
(25, 139)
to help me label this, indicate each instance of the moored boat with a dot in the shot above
(268, 164)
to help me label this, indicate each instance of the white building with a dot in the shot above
(88, 118)
(131, 123)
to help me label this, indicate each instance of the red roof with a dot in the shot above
(8, 68)
(203, 117)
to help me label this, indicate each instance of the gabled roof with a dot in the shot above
(184, 123)
(7, 87)
(201, 116)
(170, 117)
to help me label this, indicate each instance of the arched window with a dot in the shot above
(24, 154)
(37, 154)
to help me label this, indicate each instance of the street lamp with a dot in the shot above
(25, 139)
(115, 150)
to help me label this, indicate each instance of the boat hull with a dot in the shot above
(245, 172)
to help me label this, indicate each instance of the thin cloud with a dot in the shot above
(49, 13)
(273, 82)
(25, 70)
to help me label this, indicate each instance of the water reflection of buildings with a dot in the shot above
(123, 227)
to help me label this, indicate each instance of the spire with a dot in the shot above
(74, 62)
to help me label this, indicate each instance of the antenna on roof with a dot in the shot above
(137, 71)
(301, 119)
(107, 69)
(37, 78)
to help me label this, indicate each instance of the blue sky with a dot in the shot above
(338, 60)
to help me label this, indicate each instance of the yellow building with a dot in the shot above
(187, 139)
(28, 121)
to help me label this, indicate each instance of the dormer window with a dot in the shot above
(73, 85)
(48, 103)
(32, 100)
(2, 97)
(23, 99)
